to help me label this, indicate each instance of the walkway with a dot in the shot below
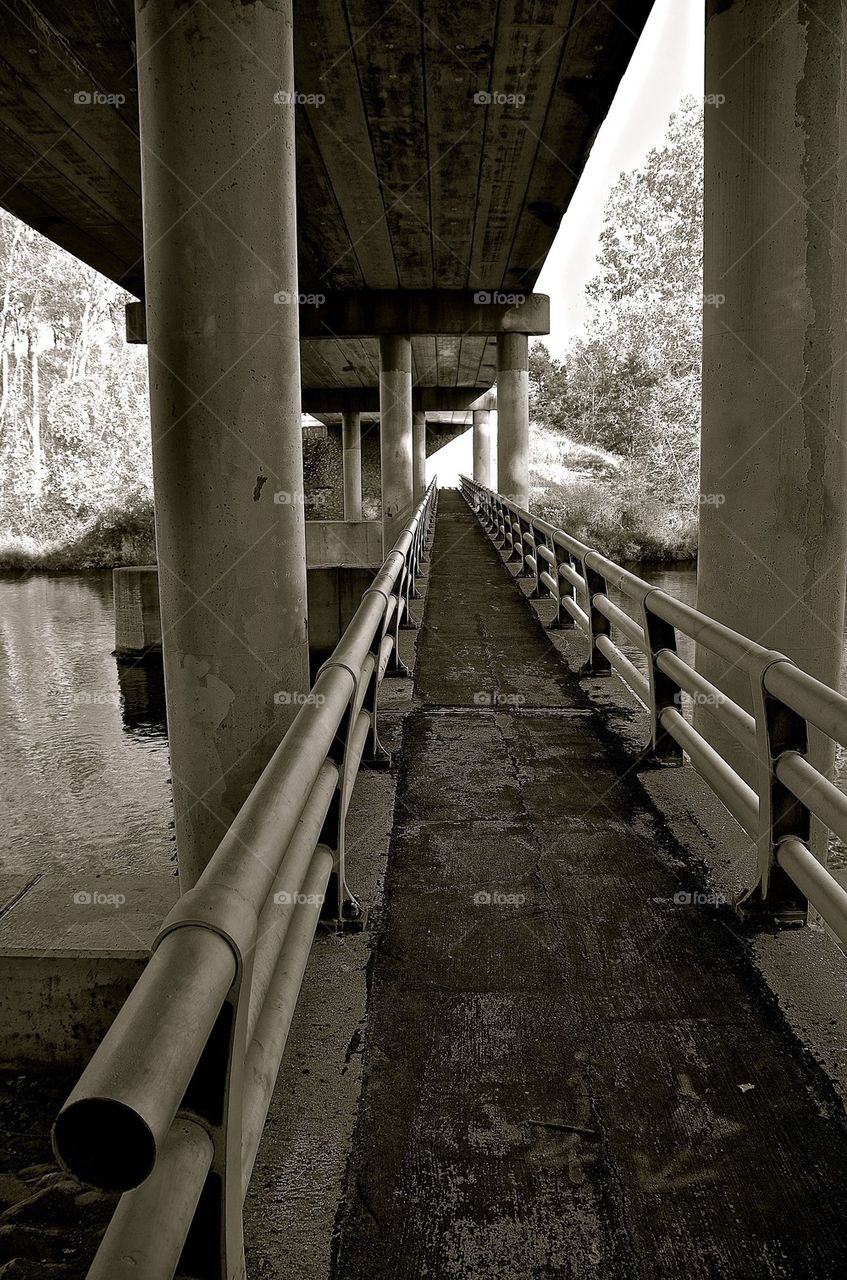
(567, 1073)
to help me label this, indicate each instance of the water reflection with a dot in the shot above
(142, 686)
(83, 752)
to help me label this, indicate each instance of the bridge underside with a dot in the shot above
(566, 1072)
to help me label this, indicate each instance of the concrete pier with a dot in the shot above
(222, 325)
(418, 455)
(395, 419)
(513, 417)
(482, 470)
(351, 432)
(773, 513)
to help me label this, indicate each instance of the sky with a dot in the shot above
(667, 65)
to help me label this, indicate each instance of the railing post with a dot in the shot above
(664, 692)
(527, 540)
(539, 591)
(598, 624)
(781, 814)
(563, 620)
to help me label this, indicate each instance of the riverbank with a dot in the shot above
(114, 538)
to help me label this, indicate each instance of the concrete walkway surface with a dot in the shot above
(570, 1069)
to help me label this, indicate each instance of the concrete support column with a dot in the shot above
(513, 417)
(222, 326)
(482, 447)
(395, 436)
(418, 455)
(773, 501)
(351, 432)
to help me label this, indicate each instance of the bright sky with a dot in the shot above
(667, 65)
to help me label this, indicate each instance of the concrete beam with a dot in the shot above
(318, 400)
(372, 313)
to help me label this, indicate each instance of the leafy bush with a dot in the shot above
(621, 519)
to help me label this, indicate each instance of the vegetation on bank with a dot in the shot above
(597, 498)
(116, 536)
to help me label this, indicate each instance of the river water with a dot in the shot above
(84, 772)
(84, 769)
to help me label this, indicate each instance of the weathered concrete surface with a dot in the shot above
(299, 1175)
(773, 519)
(573, 1074)
(71, 950)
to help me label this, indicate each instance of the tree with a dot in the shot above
(631, 382)
(73, 407)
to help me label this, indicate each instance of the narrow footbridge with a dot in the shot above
(558, 1059)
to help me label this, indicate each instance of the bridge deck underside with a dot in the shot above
(557, 1082)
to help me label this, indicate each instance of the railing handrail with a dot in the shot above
(171, 1106)
(786, 702)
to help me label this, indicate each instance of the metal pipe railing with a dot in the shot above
(171, 1107)
(786, 703)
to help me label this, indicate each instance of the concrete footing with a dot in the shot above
(71, 948)
(138, 619)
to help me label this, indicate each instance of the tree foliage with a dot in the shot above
(630, 383)
(74, 434)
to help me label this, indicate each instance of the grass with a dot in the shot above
(588, 493)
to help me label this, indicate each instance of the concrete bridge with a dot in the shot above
(344, 209)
